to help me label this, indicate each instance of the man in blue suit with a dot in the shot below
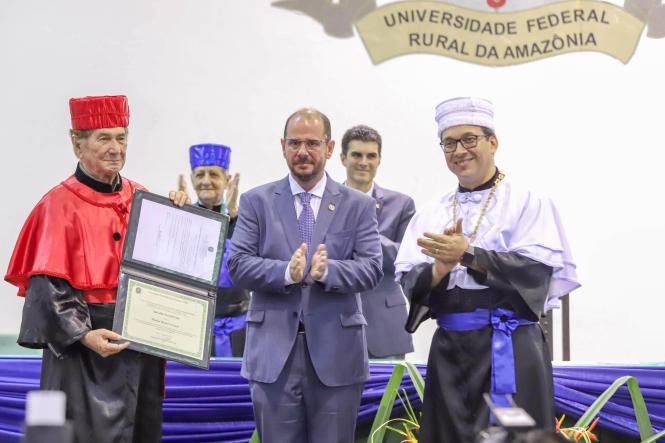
(384, 306)
(306, 246)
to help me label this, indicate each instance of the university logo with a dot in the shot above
(488, 32)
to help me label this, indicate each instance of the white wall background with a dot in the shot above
(583, 128)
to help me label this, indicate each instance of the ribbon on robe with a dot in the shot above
(503, 323)
(222, 329)
(224, 277)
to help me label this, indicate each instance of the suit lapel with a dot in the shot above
(329, 207)
(284, 207)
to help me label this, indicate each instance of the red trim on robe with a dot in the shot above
(70, 235)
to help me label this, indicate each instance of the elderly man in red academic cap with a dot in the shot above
(66, 263)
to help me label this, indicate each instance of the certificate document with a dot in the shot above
(177, 240)
(167, 287)
(163, 318)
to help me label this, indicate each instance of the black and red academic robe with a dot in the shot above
(66, 264)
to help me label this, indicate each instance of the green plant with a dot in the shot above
(409, 424)
(654, 437)
(382, 420)
(639, 407)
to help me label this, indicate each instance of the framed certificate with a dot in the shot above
(168, 279)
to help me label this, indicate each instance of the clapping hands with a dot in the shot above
(298, 263)
(446, 249)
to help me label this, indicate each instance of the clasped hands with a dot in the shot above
(446, 249)
(298, 263)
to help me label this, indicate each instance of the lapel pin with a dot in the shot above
(331, 206)
(378, 205)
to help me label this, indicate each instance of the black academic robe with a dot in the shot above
(459, 364)
(117, 399)
(232, 302)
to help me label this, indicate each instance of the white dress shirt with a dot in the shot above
(315, 203)
(370, 192)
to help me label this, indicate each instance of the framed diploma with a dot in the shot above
(168, 279)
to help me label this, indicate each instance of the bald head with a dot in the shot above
(310, 114)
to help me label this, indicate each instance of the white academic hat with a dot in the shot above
(464, 111)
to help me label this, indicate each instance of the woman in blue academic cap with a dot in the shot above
(217, 190)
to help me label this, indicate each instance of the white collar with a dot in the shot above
(317, 190)
(370, 192)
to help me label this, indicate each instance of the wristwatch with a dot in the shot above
(468, 256)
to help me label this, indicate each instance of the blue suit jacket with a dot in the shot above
(265, 237)
(385, 305)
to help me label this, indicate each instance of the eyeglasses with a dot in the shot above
(310, 144)
(469, 141)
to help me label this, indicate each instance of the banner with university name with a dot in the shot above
(499, 39)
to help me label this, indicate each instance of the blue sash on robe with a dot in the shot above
(504, 322)
(224, 278)
(224, 326)
(222, 330)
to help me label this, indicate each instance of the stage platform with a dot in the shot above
(214, 405)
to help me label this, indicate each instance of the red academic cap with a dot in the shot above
(107, 111)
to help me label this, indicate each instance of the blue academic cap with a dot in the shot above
(209, 154)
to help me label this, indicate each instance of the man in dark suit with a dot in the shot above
(306, 246)
(384, 306)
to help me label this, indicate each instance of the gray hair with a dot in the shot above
(83, 134)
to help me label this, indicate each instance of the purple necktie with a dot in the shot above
(306, 220)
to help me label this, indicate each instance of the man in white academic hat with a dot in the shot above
(486, 260)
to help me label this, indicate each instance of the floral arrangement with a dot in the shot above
(577, 433)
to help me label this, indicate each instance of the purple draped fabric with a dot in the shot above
(200, 406)
(576, 387)
(214, 405)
